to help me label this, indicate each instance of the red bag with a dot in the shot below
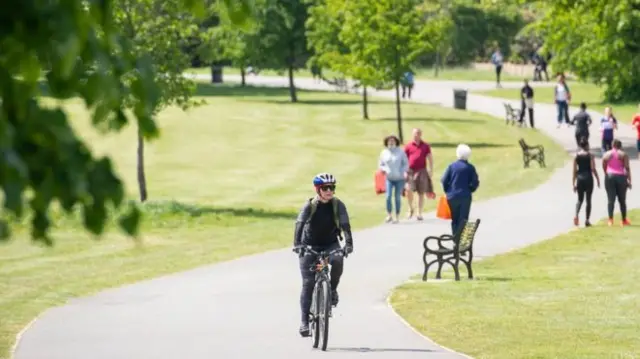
(380, 182)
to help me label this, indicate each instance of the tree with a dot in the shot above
(78, 50)
(387, 35)
(597, 41)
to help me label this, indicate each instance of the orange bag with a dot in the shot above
(380, 182)
(443, 211)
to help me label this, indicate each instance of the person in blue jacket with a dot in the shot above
(459, 181)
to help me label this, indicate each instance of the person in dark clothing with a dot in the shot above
(584, 170)
(582, 121)
(615, 164)
(459, 181)
(321, 229)
(526, 94)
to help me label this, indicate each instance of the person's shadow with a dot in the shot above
(380, 350)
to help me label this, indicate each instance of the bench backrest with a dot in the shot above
(467, 234)
(507, 106)
(523, 144)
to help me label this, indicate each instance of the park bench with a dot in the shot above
(459, 249)
(340, 83)
(511, 114)
(532, 153)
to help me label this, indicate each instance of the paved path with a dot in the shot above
(248, 308)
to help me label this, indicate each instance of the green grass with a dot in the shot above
(575, 296)
(589, 93)
(228, 179)
(452, 73)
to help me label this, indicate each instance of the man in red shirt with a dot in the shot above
(417, 177)
(636, 124)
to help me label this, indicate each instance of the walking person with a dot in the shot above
(407, 84)
(636, 124)
(526, 94)
(497, 61)
(418, 176)
(608, 124)
(394, 163)
(584, 170)
(582, 121)
(615, 164)
(562, 98)
(459, 181)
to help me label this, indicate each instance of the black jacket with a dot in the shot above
(321, 230)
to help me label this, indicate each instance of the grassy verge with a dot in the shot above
(574, 296)
(228, 179)
(589, 93)
(450, 73)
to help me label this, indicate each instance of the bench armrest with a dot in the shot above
(439, 240)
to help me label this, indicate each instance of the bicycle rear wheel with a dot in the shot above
(314, 325)
(325, 310)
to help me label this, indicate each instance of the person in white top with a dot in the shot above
(497, 60)
(394, 162)
(562, 100)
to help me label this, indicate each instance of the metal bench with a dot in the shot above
(532, 153)
(459, 249)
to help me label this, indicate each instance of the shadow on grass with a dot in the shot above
(380, 350)
(494, 279)
(434, 119)
(194, 210)
(232, 90)
(328, 101)
(470, 144)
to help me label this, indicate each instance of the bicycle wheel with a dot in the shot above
(325, 310)
(314, 324)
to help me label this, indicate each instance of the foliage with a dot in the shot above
(597, 41)
(77, 49)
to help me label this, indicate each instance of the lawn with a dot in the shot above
(589, 93)
(575, 296)
(451, 73)
(226, 179)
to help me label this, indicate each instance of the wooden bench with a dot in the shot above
(341, 84)
(512, 115)
(532, 153)
(460, 249)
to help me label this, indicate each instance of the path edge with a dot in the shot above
(18, 337)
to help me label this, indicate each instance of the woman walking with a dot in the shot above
(607, 126)
(394, 163)
(584, 169)
(459, 181)
(615, 164)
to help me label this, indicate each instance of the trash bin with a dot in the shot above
(460, 99)
(216, 74)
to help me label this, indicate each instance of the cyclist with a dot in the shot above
(318, 226)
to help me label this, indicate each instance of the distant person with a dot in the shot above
(526, 95)
(418, 177)
(459, 181)
(407, 84)
(394, 163)
(636, 124)
(252, 71)
(316, 72)
(608, 125)
(615, 164)
(584, 170)
(497, 60)
(540, 67)
(562, 97)
(582, 121)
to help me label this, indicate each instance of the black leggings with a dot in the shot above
(616, 186)
(584, 187)
(606, 145)
(498, 72)
(309, 277)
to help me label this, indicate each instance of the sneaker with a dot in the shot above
(304, 330)
(334, 298)
(587, 224)
(610, 222)
(626, 222)
(388, 219)
(576, 221)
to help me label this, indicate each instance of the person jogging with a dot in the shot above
(584, 170)
(615, 164)
(635, 123)
(582, 121)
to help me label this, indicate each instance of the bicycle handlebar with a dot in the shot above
(308, 250)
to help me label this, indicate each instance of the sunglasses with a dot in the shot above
(328, 188)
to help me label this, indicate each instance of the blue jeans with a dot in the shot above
(460, 208)
(563, 111)
(398, 186)
(638, 145)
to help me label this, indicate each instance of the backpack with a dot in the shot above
(314, 206)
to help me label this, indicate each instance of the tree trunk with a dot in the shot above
(437, 64)
(398, 112)
(292, 86)
(243, 76)
(365, 103)
(142, 181)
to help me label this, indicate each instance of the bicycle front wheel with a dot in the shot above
(325, 311)
(316, 306)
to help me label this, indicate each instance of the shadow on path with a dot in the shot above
(380, 350)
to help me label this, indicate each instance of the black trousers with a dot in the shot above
(584, 187)
(580, 135)
(309, 277)
(616, 187)
(607, 144)
(530, 110)
(460, 209)
(498, 72)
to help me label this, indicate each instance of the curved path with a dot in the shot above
(248, 308)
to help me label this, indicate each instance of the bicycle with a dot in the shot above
(321, 299)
